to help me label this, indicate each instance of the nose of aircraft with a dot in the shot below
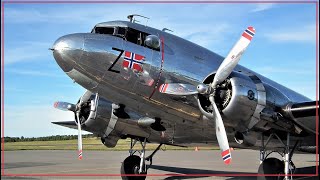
(67, 50)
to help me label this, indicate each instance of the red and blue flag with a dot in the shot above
(133, 61)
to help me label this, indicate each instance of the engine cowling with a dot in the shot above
(236, 97)
(95, 112)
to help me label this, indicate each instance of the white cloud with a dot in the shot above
(299, 76)
(61, 16)
(263, 7)
(34, 121)
(34, 73)
(26, 51)
(206, 36)
(271, 70)
(301, 33)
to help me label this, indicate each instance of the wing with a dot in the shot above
(68, 124)
(303, 114)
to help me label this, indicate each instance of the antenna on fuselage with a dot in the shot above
(134, 20)
(166, 29)
(131, 17)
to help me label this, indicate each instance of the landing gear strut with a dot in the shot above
(273, 166)
(134, 167)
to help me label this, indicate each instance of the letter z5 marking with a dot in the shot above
(120, 54)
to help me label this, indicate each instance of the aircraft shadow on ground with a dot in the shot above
(180, 170)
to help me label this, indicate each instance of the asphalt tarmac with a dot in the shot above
(171, 164)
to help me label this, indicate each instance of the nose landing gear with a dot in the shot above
(134, 167)
(130, 169)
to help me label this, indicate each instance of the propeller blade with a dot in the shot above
(65, 106)
(232, 59)
(178, 89)
(221, 133)
(79, 138)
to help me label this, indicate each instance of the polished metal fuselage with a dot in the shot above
(87, 59)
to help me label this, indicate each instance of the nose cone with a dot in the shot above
(67, 50)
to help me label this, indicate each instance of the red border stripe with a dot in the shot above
(247, 36)
(224, 153)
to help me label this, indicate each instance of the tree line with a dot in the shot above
(46, 138)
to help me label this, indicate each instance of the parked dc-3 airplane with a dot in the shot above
(154, 87)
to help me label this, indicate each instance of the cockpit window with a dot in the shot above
(137, 37)
(104, 30)
(134, 36)
(128, 34)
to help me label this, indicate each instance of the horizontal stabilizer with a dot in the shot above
(69, 124)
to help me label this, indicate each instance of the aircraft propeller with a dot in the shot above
(224, 70)
(79, 136)
(65, 106)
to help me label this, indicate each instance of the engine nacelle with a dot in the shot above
(95, 112)
(246, 138)
(110, 121)
(236, 97)
(110, 141)
(243, 101)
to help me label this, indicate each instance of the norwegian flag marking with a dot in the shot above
(249, 33)
(133, 61)
(226, 156)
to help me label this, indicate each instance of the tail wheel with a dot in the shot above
(131, 165)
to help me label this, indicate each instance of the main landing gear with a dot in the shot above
(134, 167)
(273, 166)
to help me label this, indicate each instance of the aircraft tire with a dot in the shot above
(131, 166)
(271, 166)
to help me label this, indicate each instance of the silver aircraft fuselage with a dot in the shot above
(89, 59)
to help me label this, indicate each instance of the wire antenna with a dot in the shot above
(131, 17)
(166, 29)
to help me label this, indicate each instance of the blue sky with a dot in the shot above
(283, 49)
